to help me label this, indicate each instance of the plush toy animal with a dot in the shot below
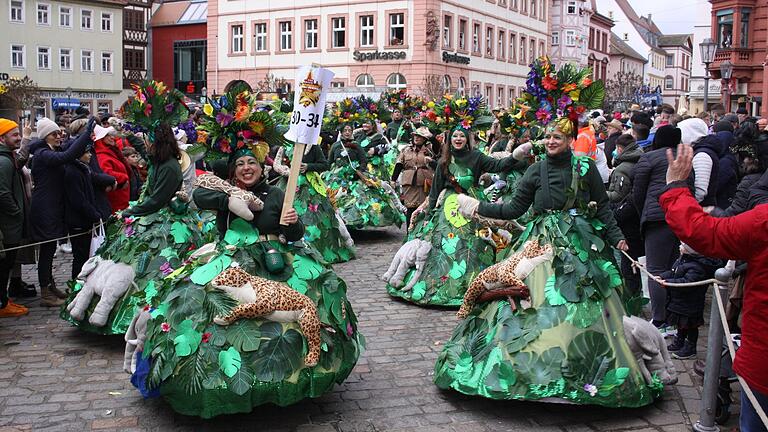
(343, 231)
(241, 202)
(273, 301)
(134, 339)
(105, 278)
(650, 350)
(413, 253)
(509, 273)
(395, 198)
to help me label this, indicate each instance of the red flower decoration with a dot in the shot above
(549, 83)
(206, 337)
(165, 327)
(148, 110)
(447, 110)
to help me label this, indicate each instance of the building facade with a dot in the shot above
(570, 24)
(179, 45)
(624, 58)
(740, 29)
(677, 80)
(71, 49)
(702, 29)
(599, 55)
(481, 47)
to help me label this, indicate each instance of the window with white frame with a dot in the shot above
(65, 59)
(106, 62)
(43, 58)
(570, 38)
(476, 38)
(366, 31)
(670, 59)
(260, 37)
(502, 45)
(337, 84)
(462, 88)
(488, 93)
(397, 29)
(286, 35)
(463, 34)
(86, 61)
(555, 38)
(511, 95)
(447, 30)
(523, 47)
(533, 8)
(339, 29)
(18, 56)
(364, 80)
(86, 19)
(106, 22)
(571, 8)
(488, 41)
(65, 16)
(237, 38)
(500, 96)
(512, 47)
(446, 83)
(16, 11)
(669, 83)
(103, 107)
(396, 81)
(532, 49)
(43, 14)
(310, 34)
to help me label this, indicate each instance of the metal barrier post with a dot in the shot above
(706, 422)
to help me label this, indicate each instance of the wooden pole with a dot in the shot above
(293, 180)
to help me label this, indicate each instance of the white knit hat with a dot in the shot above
(100, 132)
(692, 129)
(45, 127)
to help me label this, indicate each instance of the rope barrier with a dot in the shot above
(89, 232)
(723, 319)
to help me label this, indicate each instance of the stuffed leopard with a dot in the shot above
(274, 301)
(241, 202)
(509, 273)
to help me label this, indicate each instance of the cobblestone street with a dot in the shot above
(54, 377)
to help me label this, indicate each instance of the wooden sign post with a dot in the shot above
(312, 83)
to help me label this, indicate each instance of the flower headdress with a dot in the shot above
(230, 123)
(401, 100)
(354, 110)
(452, 111)
(151, 104)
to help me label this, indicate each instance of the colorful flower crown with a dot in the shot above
(354, 110)
(451, 111)
(151, 104)
(400, 100)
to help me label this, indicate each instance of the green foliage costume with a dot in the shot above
(569, 344)
(205, 369)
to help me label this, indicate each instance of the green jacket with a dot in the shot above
(163, 181)
(559, 173)
(13, 211)
(620, 182)
(393, 128)
(267, 221)
(356, 154)
(315, 160)
(476, 162)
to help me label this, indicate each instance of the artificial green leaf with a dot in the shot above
(451, 211)
(161, 310)
(584, 313)
(330, 255)
(586, 353)
(458, 270)
(215, 380)
(280, 354)
(300, 207)
(594, 95)
(311, 233)
(316, 182)
(306, 268)
(552, 294)
(418, 290)
(168, 253)
(150, 292)
(240, 382)
(241, 233)
(244, 335)
(229, 361)
(206, 273)
(550, 316)
(449, 244)
(187, 339)
(613, 378)
(180, 232)
(298, 284)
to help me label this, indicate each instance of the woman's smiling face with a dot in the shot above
(248, 170)
(458, 140)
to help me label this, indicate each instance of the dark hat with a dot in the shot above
(81, 113)
(666, 136)
(731, 118)
(742, 110)
(723, 125)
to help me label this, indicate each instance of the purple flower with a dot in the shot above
(169, 108)
(591, 389)
(224, 119)
(129, 231)
(350, 330)
(166, 268)
(564, 101)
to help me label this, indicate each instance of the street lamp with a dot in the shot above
(708, 48)
(726, 71)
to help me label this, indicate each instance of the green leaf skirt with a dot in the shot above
(154, 245)
(204, 369)
(569, 344)
(361, 205)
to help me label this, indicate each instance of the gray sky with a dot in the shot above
(673, 16)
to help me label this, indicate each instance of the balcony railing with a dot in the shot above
(735, 55)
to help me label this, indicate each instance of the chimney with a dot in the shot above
(626, 36)
(649, 17)
(610, 14)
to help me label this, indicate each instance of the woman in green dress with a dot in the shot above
(207, 368)
(147, 241)
(375, 146)
(323, 230)
(460, 248)
(570, 342)
(361, 199)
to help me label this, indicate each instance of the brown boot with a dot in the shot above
(48, 298)
(57, 292)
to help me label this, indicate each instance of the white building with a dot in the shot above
(701, 30)
(61, 45)
(570, 31)
(677, 78)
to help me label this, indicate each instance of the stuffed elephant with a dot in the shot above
(413, 253)
(344, 232)
(395, 198)
(134, 339)
(650, 350)
(105, 278)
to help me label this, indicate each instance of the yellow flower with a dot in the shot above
(160, 87)
(461, 102)
(208, 109)
(274, 97)
(430, 104)
(575, 95)
(376, 206)
(383, 125)
(347, 102)
(448, 96)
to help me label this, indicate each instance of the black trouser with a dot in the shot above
(661, 250)
(45, 264)
(6, 265)
(81, 249)
(408, 215)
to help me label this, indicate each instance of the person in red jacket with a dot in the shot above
(741, 237)
(109, 153)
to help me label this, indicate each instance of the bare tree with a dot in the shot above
(272, 84)
(621, 91)
(431, 87)
(20, 93)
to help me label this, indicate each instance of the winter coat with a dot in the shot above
(392, 130)
(650, 177)
(706, 175)
(136, 183)
(163, 182)
(341, 154)
(373, 141)
(48, 196)
(758, 193)
(689, 268)
(742, 237)
(740, 202)
(13, 207)
(112, 163)
(728, 171)
(100, 182)
(610, 146)
(80, 210)
(620, 184)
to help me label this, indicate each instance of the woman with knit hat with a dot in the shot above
(109, 152)
(47, 204)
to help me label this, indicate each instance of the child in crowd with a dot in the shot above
(139, 171)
